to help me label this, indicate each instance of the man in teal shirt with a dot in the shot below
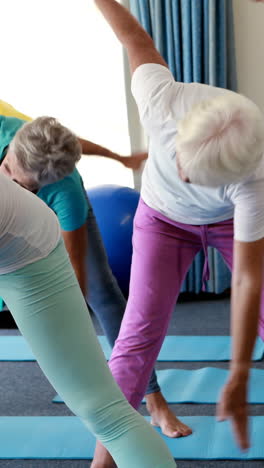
(67, 197)
(41, 156)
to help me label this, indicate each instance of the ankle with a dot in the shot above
(155, 400)
(101, 464)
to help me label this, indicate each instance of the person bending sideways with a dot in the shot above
(41, 156)
(203, 185)
(38, 284)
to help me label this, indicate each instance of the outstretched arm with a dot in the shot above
(139, 45)
(246, 293)
(132, 161)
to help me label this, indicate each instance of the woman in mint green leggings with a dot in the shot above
(40, 288)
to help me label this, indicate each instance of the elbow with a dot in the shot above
(138, 40)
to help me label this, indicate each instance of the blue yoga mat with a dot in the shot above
(67, 438)
(202, 348)
(201, 385)
(174, 348)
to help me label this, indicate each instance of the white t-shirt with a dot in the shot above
(162, 103)
(29, 230)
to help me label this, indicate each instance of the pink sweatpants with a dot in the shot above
(163, 251)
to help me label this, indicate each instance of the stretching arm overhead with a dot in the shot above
(138, 44)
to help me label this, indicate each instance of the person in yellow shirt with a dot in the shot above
(9, 111)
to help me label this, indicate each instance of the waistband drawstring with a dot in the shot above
(206, 270)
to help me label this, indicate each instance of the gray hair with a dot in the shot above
(221, 141)
(46, 150)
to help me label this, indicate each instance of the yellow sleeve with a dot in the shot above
(9, 111)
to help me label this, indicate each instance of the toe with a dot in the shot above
(186, 431)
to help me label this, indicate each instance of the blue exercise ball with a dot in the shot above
(114, 208)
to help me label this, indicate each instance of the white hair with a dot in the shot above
(221, 141)
(46, 150)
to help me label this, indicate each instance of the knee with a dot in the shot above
(106, 420)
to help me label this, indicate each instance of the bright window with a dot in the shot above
(60, 58)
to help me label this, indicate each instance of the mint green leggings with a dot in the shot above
(49, 309)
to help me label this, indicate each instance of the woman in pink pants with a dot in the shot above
(203, 185)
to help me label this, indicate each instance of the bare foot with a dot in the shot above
(163, 417)
(102, 458)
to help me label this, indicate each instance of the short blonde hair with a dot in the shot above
(46, 150)
(221, 141)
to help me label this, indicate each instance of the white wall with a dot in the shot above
(249, 36)
(61, 58)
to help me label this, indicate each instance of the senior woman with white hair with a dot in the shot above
(40, 288)
(203, 185)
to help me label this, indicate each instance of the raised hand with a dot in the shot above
(134, 161)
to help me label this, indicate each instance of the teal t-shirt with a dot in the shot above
(66, 197)
(8, 128)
